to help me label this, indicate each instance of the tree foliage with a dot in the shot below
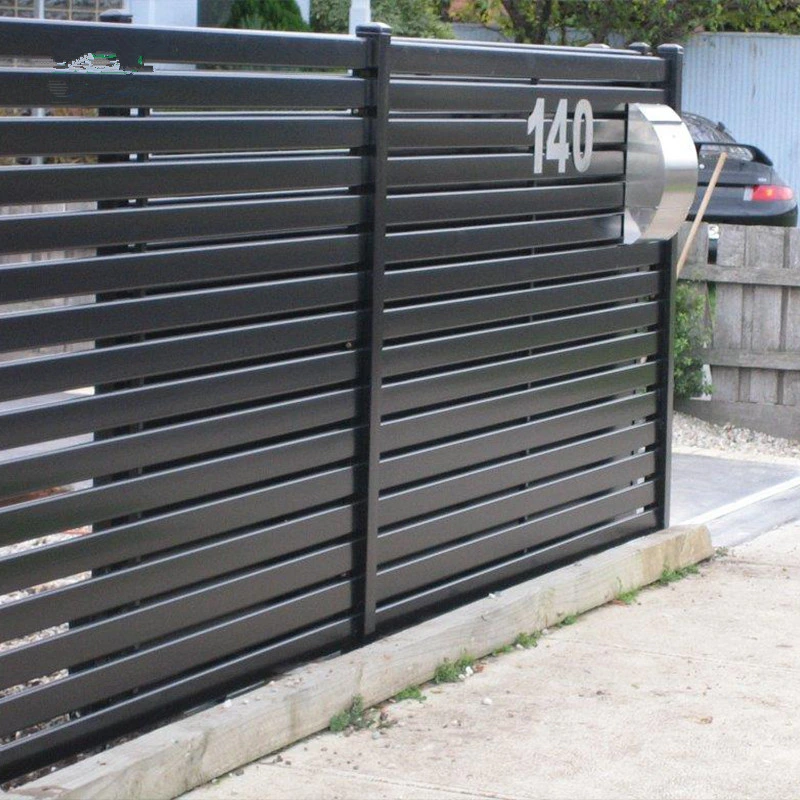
(267, 15)
(653, 21)
(418, 18)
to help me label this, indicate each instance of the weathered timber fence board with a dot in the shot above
(755, 353)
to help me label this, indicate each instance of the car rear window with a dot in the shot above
(703, 130)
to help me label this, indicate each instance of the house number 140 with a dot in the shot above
(557, 147)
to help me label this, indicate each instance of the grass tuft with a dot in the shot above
(528, 640)
(451, 671)
(628, 597)
(355, 716)
(672, 575)
(410, 693)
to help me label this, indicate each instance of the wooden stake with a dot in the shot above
(701, 212)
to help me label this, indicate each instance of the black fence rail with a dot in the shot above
(356, 337)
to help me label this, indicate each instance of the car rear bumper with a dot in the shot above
(785, 219)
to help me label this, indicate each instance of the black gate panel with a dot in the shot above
(521, 364)
(302, 337)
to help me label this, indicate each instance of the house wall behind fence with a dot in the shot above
(749, 82)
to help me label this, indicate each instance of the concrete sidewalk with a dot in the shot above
(693, 691)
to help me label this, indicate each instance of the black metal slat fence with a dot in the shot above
(319, 352)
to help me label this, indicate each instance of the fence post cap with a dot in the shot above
(374, 29)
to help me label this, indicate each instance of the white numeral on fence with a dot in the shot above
(557, 147)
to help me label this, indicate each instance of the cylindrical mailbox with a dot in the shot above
(661, 173)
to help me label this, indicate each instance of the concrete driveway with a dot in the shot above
(738, 500)
(692, 691)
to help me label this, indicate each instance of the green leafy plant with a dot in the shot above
(417, 18)
(410, 693)
(528, 640)
(355, 716)
(451, 671)
(270, 15)
(629, 597)
(673, 575)
(570, 619)
(691, 335)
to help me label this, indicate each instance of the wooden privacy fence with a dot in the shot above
(755, 350)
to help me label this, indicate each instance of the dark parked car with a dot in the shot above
(749, 191)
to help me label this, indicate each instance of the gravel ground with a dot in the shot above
(691, 435)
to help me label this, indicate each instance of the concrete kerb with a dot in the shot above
(187, 753)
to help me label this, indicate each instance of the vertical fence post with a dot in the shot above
(377, 39)
(673, 55)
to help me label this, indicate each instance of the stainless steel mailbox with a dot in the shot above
(660, 175)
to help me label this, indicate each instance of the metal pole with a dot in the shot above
(378, 38)
(673, 55)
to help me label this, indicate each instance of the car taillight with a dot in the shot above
(768, 194)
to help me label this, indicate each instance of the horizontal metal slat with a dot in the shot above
(450, 206)
(497, 574)
(124, 453)
(482, 516)
(171, 134)
(170, 616)
(482, 133)
(168, 660)
(51, 184)
(209, 263)
(443, 564)
(176, 223)
(181, 527)
(423, 281)
(509, 98)
(144, 315)
(451, 350)
(28, 753)
(62, 88)
(460, 418)
(217, 46)
(474, 240)
(168, 487)
(460, 312)
(105, 591)
(39, 376)
(418, 392)
(467, 486)
(190, 395)
(514, 61)
(441, 170)
(482, 448)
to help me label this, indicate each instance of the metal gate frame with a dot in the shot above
(349, 364)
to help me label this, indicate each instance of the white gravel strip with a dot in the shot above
(692, 435)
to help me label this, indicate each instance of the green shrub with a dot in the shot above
(691, 336)
(266, 15)
(417, 18)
